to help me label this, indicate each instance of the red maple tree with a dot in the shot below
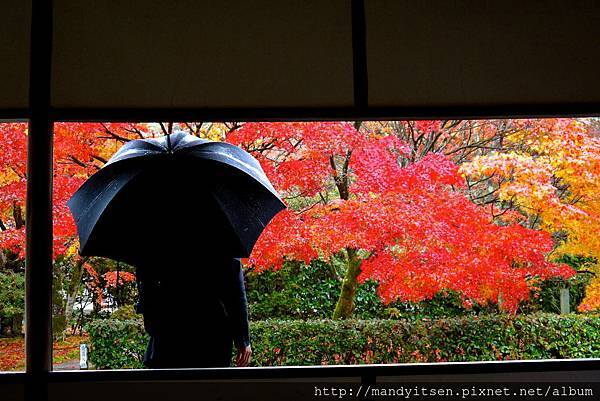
(80, 150)
(403, 222)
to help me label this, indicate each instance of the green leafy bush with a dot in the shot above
(117, 344)
(126, 312)
(12, 302)
(299, 291)
(315, 342)
(296, 291)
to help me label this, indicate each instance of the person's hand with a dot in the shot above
(243, 356)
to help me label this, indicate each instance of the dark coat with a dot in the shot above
(193, 312)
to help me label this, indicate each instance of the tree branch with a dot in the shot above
(114, 135)
(100, 159)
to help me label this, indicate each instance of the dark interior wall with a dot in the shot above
(14, 53)
(477, 53)
(187, 53)
(298, 53)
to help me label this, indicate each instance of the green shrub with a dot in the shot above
(547, 296)
(315, 342)
(299, 291)
(12, 302)
(117, 344)
(126, 312)
(296, 291)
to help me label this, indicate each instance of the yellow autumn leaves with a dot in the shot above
(550, 173)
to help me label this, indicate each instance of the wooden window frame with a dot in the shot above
(41, 116)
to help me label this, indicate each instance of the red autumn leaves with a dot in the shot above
(416, 230)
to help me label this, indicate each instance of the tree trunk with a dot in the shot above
(17, 325)
(73, 290)
(18, 216)
(69, 308)
(70, 284)
(345, 304)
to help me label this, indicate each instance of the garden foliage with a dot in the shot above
(298, 291)
(117, 344)
(12, 302)
(120, 344)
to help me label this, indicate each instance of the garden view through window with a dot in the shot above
(402, 241)
(13, 187)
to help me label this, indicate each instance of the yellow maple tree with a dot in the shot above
(549, 171)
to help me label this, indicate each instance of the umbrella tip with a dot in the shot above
(169, 148)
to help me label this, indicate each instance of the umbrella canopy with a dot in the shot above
(156, 196)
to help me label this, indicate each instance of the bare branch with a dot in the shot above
(163, 128)
(77, 161)
(100, 159)
(114, 135)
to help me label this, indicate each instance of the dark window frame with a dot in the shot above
(41, 116)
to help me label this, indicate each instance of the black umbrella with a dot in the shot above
(156, 195)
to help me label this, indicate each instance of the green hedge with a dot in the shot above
(119, 344)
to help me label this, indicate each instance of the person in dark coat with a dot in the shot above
(194, 311)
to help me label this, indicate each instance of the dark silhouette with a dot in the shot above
(194, 314)
(180, 209)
